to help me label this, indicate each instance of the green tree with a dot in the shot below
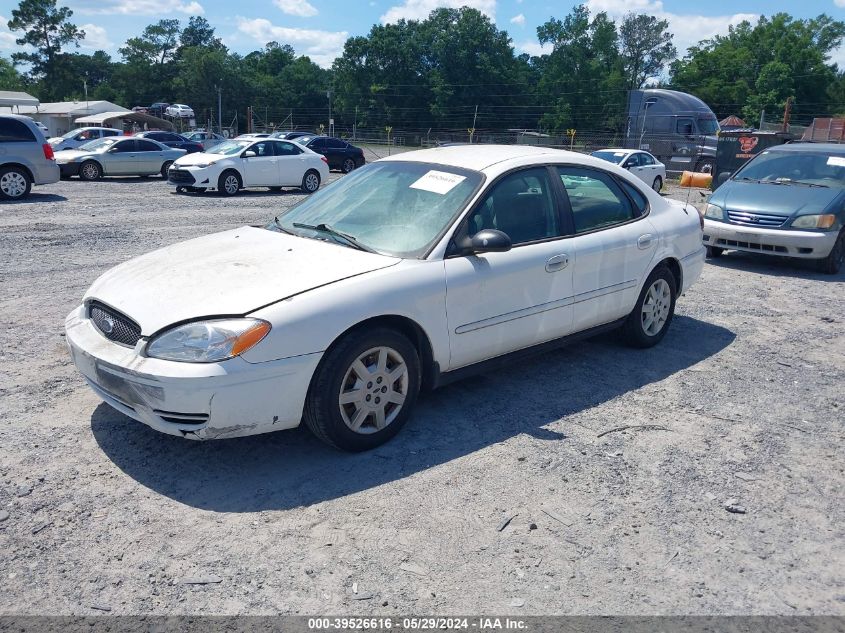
(199, 32)
(758, 67)
(646, 48)
(48, 30)
(156, 45)
(10, 78)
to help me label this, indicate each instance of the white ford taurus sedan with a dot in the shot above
(408, 273)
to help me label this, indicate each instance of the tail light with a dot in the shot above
(48, 151)
(324, 159)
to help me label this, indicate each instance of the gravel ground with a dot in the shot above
(741, 405)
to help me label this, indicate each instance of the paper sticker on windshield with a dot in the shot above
(438, 182)
(837, 161)
(618, 153)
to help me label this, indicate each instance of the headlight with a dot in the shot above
(714, 213)
(208, 341)
(204, 165)
(826, 221)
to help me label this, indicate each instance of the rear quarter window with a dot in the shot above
(13, 131)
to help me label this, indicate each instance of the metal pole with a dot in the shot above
(219, 110)
(329, 95)
(474, 117)
(762, 116)
(355, 126)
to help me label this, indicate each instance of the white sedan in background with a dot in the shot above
(642, 164)
(412, 271)
(233, 165)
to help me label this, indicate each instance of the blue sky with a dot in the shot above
(318, 28)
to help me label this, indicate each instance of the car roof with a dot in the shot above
(829, 148)
(481, 157)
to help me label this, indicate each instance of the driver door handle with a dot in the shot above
(556, 263)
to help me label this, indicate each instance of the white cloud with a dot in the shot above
(535, 49)
(96, 38)
(836, 57)
(139, 7)
(7, 38)
(420, 9)
(321, 46)
(688, 29)
(839, 3)
(518, 19)
(300, 8)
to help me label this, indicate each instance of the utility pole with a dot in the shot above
(787, 110)
(355, 126)
(474, 117)
(219, 110)
(331, 120)
(762, 116)
(85, 87)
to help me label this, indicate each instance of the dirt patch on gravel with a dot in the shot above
(741, 406)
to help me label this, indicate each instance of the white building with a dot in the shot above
(61, 117)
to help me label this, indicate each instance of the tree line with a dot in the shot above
(452, 70)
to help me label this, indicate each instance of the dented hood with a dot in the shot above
(225, 274)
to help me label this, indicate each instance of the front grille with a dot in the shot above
(765, 248)
(180, 176)
(113, 325)
(749, 218)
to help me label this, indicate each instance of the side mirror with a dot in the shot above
(723, 178)
(490, 241)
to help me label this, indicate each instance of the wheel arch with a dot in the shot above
(20, 166)
(93, 160)
(674, 267)
(409, 328)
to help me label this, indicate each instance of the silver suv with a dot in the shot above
(26, 158)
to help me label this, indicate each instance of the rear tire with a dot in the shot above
(229, 183)
(832, 264)
(352, 401)
(90, 170)
(165, 167)
(347, 166)
(714, 252)
(15, 183)
(310, 181)
(649, 320)
(657, 185)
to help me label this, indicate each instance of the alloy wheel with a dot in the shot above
(90, 171)
(373, 390)
(13, 184)
(312, 182)
(231, 185)
(655, 311)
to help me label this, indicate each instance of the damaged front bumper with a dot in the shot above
(200, 401)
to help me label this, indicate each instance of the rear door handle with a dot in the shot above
(556, 263)
(645, 241)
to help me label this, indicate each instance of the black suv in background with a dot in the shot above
(340, 154)
(158, 108)
(171, 139)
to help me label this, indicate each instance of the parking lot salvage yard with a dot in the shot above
(740, 406)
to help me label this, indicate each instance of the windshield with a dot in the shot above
(229, 148)
(100, 143)
(610, 156)
(708, 126)
(72, 133)
(811, 168)
(302, 140)
(395, 208)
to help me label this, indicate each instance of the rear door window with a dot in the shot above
(147, 146)
(125, 146)
(13, 131)
(595, 198)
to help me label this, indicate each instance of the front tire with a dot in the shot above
(310, 181)
(363, 390)
(90, 170)
(165, 167)
(832, 264)
(657, 185)
(15, 183)
(347, 166)
(229, 183)
(647, 324)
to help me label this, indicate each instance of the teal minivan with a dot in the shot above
(789, 201)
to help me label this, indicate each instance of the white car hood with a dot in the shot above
(199, 158)
(225, 274)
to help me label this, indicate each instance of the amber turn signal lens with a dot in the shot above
(250, 338)
(826, 221)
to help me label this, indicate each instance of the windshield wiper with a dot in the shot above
(280, 227)
(348, 239)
